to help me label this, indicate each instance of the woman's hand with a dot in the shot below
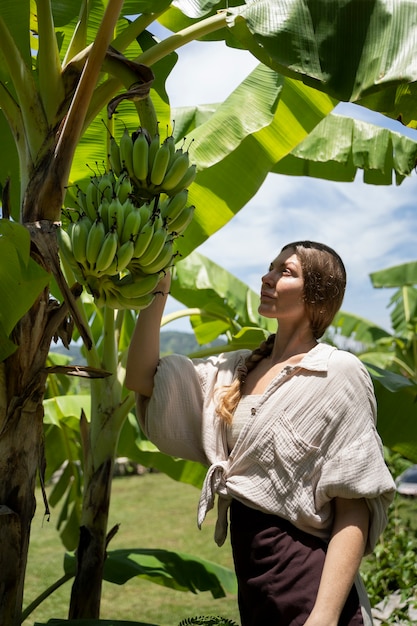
(164, 284)
(143, 355)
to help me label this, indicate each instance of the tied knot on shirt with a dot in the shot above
(215, 483)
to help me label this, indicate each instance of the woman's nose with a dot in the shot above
(267, 278)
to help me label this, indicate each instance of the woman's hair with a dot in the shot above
(324, 277)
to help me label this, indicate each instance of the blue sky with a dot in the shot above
(371, 227)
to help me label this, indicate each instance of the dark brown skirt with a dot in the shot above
(278, 568)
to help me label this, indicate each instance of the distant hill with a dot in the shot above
(175, 342)
(172, 342)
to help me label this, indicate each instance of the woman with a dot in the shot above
(288, 432)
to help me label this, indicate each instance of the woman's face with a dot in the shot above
(282, 292)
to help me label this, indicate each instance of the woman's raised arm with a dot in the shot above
(143, 355)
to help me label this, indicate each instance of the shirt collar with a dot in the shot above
(317, 359)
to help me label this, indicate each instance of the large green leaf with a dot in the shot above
(226, 303)
(175, 570)
(396, 276)
(16, 16)
(343, 47)
(21, 281)
(339, 146)
(358, 328)
(233, 158)
(396, 413)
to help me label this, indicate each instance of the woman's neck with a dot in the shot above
(288, 345)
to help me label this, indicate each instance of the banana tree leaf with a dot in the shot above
(16, 16)
(175, 570)
(199, 282)
(396, 276)
(233, 156)
(403, 305)
(396, 397)
(358, 328)
(398, 103)
(21, 281)
(347, 49)
(339, 146)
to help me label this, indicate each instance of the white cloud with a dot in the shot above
(207, 72)
(371, 227)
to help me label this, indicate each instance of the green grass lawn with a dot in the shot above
(153, 512)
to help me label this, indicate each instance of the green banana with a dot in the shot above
(172, 206)
(91, 199)
(143, 239)
(81, 200)
(126, 152)
(131, 226)
(123, 187)
(111, 270)
(124, 254)
(160, 165)
(181, 222)
(134, 287)
(95, 241)
(185, 182)
(162, 261)
(155, 246)
(107, 251)
(145, 212)
(114, 156)
(141, 302)
(103, 211)
(115, 211)
(176, 171)
(140, 156)
(105, 187)
(170, 142)
(66, 253)
(80, 233)
(153, 149)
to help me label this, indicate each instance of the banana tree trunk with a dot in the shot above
(91, 552)
(21, 453)
(99, 440)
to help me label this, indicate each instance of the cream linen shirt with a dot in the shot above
(311, 437)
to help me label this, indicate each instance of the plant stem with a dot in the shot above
(191, 33)
(45, 594)
(49, 65)
(135, 28)
(35, 124)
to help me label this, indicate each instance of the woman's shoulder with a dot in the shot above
(340, 362)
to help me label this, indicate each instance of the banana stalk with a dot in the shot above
(108, 88)
(74, 121)
(51, 87)
(79, 36)
(33, 116)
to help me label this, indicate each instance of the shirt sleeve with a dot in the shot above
(357, 469)
(179, 417)
(171, 417)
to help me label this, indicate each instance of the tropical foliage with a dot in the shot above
(68, 66)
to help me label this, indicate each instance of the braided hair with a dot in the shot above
(229, 400)
(324, 277)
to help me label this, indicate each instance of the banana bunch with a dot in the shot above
(117, 249)
(152, 167)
